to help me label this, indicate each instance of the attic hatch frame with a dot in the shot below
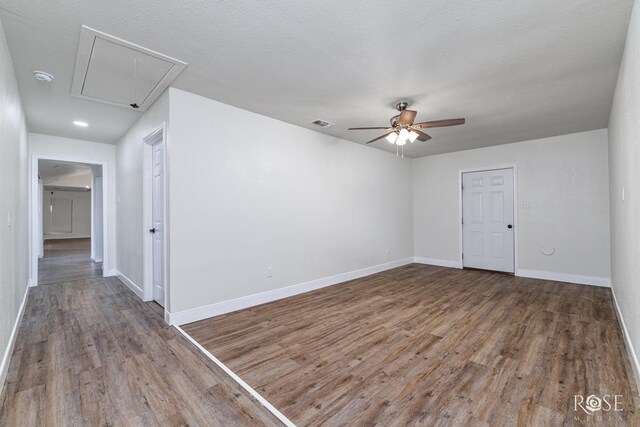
(88, 36)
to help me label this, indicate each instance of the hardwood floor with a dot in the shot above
(433, 346)
(65, 260)
(157, 308)
(89, 352)
(414, 345)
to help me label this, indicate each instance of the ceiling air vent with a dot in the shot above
(113, 71)
(322, 123)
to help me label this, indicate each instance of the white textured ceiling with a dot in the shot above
(64, 174)
(516, 69)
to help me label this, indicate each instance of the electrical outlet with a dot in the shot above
(269, 272)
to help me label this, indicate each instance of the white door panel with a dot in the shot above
(487, 220)
(158, 235)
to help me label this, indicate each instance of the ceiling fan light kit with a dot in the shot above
(392, 137)
(404, 130)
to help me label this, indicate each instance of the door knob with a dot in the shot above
(509, 226)
(153, 230)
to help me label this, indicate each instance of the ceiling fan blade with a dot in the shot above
(380, 137)
(439, 123)
(421, 135)
(384, 127)
(406, 117)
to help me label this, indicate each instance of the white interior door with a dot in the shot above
(157, 214)
(487, 220)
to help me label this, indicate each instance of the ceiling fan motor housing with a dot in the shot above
(402, 105)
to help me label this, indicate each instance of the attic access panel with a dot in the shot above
(113, 71)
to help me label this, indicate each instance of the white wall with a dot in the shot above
(249, 192)
(130, 220)
(58, 148)
(39, 229)
(565, 181)
(624, 169)
(13, 207)
(97, 214)
(80, 214)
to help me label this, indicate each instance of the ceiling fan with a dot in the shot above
(403, 130)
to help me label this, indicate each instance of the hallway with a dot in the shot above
(89, 352)
(65, 260)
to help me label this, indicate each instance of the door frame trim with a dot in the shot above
(157, 136)
(34, 217)
(513, 166)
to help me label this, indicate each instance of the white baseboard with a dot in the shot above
(562, 277)
(129, 284)
(6, 359)
(63, 237)
(111, 272)
(534, 274)
(635, 364)
(204, 312)
(96, 259)
(438, 262)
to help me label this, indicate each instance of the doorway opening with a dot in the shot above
(488, 219)
(68, 228)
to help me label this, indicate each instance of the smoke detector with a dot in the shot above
(43, 76)
(322, 123)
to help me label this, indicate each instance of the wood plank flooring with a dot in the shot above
(431, 346)
(67, 259)
(89, 352)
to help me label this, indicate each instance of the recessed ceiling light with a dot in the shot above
(80, 123)
(43, 76)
